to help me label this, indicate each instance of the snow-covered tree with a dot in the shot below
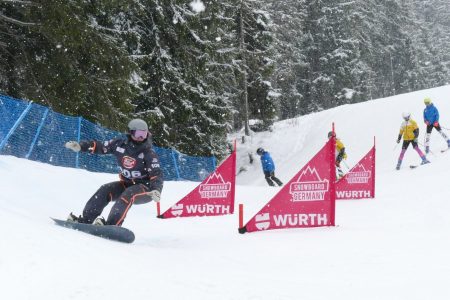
(256, 55)
(72, 59)
(332, 60)
(288, 17)
(184, 105)
(432, 35)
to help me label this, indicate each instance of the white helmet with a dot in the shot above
(406, 115)
(137, 124)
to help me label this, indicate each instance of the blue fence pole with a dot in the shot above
(177, 171)
(213, 158)
(11, 131)
(38, 131)
(77, 158)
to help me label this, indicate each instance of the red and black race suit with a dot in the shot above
(138, 162)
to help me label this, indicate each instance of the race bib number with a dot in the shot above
(131, 174)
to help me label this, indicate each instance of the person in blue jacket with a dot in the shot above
(268, 167)
(431, 119)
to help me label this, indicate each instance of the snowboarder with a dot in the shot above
(268, 167)
(410, 132)
(141, 177)
(431, 119)
(340, 155)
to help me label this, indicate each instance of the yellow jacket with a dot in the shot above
(339, 147)
(407, 130)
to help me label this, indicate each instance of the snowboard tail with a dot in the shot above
(110, 232)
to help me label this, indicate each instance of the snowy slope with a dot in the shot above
(297, 140)
(393, 247)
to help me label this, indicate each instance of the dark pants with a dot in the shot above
(428, 136)
(124, 197)
(431, 126)
(271, 176)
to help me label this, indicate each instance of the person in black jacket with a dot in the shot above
(141, 177)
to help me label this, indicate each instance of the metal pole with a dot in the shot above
(11, 131)
(38, 132)
(77, 157)
(175, 164)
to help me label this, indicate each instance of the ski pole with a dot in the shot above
(425, 147)
(346, 165)
(395, 147)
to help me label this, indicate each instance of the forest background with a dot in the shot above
(197, 70)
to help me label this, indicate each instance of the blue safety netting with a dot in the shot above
(35, 132)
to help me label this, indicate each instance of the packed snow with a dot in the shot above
(395, 246)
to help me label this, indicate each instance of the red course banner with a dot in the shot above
(213, 197)
(359, 182)
(307, 200)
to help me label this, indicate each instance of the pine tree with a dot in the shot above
(178, 98)
(14, 27)
(72, 60)
(432, 36)
(332, 59)
(288, 17)
(257, 62)
(398, 48)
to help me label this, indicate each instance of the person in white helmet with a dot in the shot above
(410, 132)
(141, 177)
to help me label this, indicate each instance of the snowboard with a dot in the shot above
(110, 232)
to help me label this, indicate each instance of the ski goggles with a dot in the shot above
(139, 134)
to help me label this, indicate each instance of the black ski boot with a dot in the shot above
(100, 221)
(73, 218)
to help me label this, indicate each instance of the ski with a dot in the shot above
(444, 150)
(415, 166)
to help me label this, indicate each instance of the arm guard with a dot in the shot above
(98, 147)
(85, 146)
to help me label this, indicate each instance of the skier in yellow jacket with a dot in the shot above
(340, 154)
(410, 132)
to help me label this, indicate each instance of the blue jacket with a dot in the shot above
(430, 114)
(267, 162)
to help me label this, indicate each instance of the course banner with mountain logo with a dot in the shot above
(213, 197)
(359, 182)
(307, 200)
